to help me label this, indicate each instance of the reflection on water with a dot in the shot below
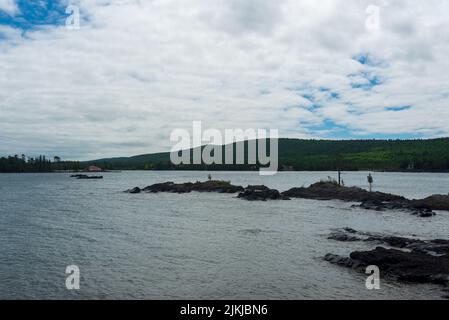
(170, 246)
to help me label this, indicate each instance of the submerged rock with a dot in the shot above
(85, 177)
(343, 237)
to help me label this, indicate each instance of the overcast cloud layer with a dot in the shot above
(138, 69)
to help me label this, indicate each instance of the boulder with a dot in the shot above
(261, 193)
(134, 190)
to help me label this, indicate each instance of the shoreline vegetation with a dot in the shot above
(421, 155)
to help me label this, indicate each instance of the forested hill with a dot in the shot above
(294, 154)
(318, 155)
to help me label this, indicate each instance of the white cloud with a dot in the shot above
(9, 6)
(137, 69)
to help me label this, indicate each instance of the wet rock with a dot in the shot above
(86, 177)
(77, 175)
(406, 266)
(425, 214)
(261, 193)
(134, 190)
(329, 190)
(402, 204)
(433, 247)
(207, 186)
(435, 202)
(343, 236)
(378, 201)
(412, 266)
(410, 260)
(350, 230)
(398, 242)
(216, 186)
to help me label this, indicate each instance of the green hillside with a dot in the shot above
(317, 155)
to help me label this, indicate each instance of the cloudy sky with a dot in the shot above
(137, 69)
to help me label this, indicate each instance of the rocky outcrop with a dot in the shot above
(324, 190)
(410, 260)
(207, 186)
(379, 201)
(134, 190)
(435, 202)
(261, 193)
(329, 190)
(412, 266)
(412, 206)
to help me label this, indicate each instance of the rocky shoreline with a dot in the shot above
(402, 259)
(323, 190)
(330, 190)
(207, 186)
(398, 258)
(261, 193)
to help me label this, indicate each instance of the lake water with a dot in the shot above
(195, 246)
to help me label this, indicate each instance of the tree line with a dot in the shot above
(40, 163)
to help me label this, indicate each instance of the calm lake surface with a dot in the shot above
(195, 246)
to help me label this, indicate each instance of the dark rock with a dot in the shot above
(261, 193)
(440, 241)
(350, 230)
(208, 186)
(422, 262)
(401, 204)
(398, 242)
(434, 247)
(134, 190)
(77, 175)
(435, 202)
(86, 177)
(426, 214)
(216, 186)
(343, 237)
(404, 266)
(329, 190)
(257, 187)
(378, 201)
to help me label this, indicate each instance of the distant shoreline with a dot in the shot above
(283, 171)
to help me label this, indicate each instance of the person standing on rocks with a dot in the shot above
(370, 181)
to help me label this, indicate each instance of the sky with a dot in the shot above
(135, 70)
